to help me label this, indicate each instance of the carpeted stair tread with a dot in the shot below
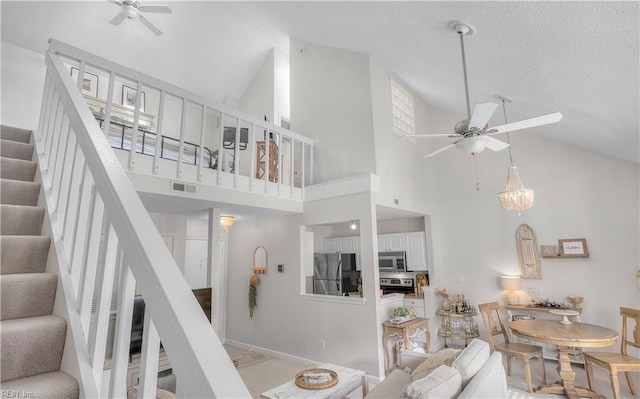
(17, 169)
(31, 346)
(15, 134)
(17, 299)
(19, 220)
(53, 385)
(19, 192)
(16, 149)
(23, 254)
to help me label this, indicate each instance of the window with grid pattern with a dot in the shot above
(402, 107)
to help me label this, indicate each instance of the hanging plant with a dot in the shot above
(253, 294)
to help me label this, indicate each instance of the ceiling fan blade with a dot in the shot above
(495, 144)
(150, 25)
(481, 115)
(430, 136)
(438, 151)
(155, 8)
(116, 2)
(526, 123)
(117, 20)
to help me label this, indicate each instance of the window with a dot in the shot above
(402, 107)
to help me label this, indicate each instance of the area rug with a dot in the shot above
(243, 358)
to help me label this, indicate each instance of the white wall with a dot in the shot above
(22, 82)
(285, 322)
(578, 194)
(258, 99)
(331, 103)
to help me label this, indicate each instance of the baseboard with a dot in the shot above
(373, 380)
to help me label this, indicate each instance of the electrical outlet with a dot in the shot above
(460, 279)
(322, 345)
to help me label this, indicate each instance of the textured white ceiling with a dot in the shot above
(579, 58)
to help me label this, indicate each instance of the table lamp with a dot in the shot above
(511, 284)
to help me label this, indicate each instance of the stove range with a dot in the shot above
(397, 285)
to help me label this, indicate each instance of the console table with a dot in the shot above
(457, 326)
(406, 331)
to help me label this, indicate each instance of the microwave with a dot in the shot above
(392, 261)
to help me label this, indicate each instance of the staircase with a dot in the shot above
(32, 338)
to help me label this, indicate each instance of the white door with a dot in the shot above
(195, 263)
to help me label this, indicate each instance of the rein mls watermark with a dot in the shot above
(14, 393)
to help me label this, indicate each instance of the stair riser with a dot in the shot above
(16, 150)
(23, 254)
(27, 295)
(15, 134)
(17, 192)
(55, 385)
(17, 169)
(21, 220)
(31, 346)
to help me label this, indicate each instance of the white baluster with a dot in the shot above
(81, 232)
(183, 127)
(107, 110)
(149, 359)
(156, 156)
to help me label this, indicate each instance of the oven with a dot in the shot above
(397, 285)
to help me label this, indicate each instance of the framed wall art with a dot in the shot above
(89, 83)
(129, 97)
(573, 248)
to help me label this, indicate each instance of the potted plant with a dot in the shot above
(402, 314)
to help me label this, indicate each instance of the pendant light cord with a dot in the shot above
(504, 111)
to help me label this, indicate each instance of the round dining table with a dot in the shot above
(564, 336)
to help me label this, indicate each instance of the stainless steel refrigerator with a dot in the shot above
(327, 274)
(335, 274)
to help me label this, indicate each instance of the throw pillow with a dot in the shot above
(444, 357)
(443, 383)
(471, 360)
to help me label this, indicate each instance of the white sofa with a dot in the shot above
(473, 373)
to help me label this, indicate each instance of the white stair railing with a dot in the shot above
(88, 194)
(173, 132)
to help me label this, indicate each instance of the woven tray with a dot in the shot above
(300, 379)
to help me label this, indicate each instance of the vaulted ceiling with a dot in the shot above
(579, 58)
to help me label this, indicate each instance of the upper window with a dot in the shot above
(402, 106)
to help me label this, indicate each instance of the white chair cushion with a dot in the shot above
(443, 383)
(471, 359)
(444, 357)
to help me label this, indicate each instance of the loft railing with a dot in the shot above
(198, 135)
(88, 193)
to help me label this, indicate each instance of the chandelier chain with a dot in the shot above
(504, 111)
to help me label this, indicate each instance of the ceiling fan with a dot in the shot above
(473, 134)
(132, 9)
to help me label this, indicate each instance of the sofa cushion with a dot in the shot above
(471, 359)
(490, 382)
(443, 383)
(392, 387)
(444, 357)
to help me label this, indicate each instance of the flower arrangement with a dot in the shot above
(442, 293)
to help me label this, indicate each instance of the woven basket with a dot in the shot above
(300, 379)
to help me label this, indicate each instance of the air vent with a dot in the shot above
(183, 187)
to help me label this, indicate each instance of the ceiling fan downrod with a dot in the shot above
(464, 28)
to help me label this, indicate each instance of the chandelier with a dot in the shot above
(226, 222)
(515, 196)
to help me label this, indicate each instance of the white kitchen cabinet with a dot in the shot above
(391, 242)
(331, 245)
(345, 245)
(416, 247)
(416, 303)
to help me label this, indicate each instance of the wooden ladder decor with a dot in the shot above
(260, 269)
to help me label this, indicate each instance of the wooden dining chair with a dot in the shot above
(618, 362)
(493, 325)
